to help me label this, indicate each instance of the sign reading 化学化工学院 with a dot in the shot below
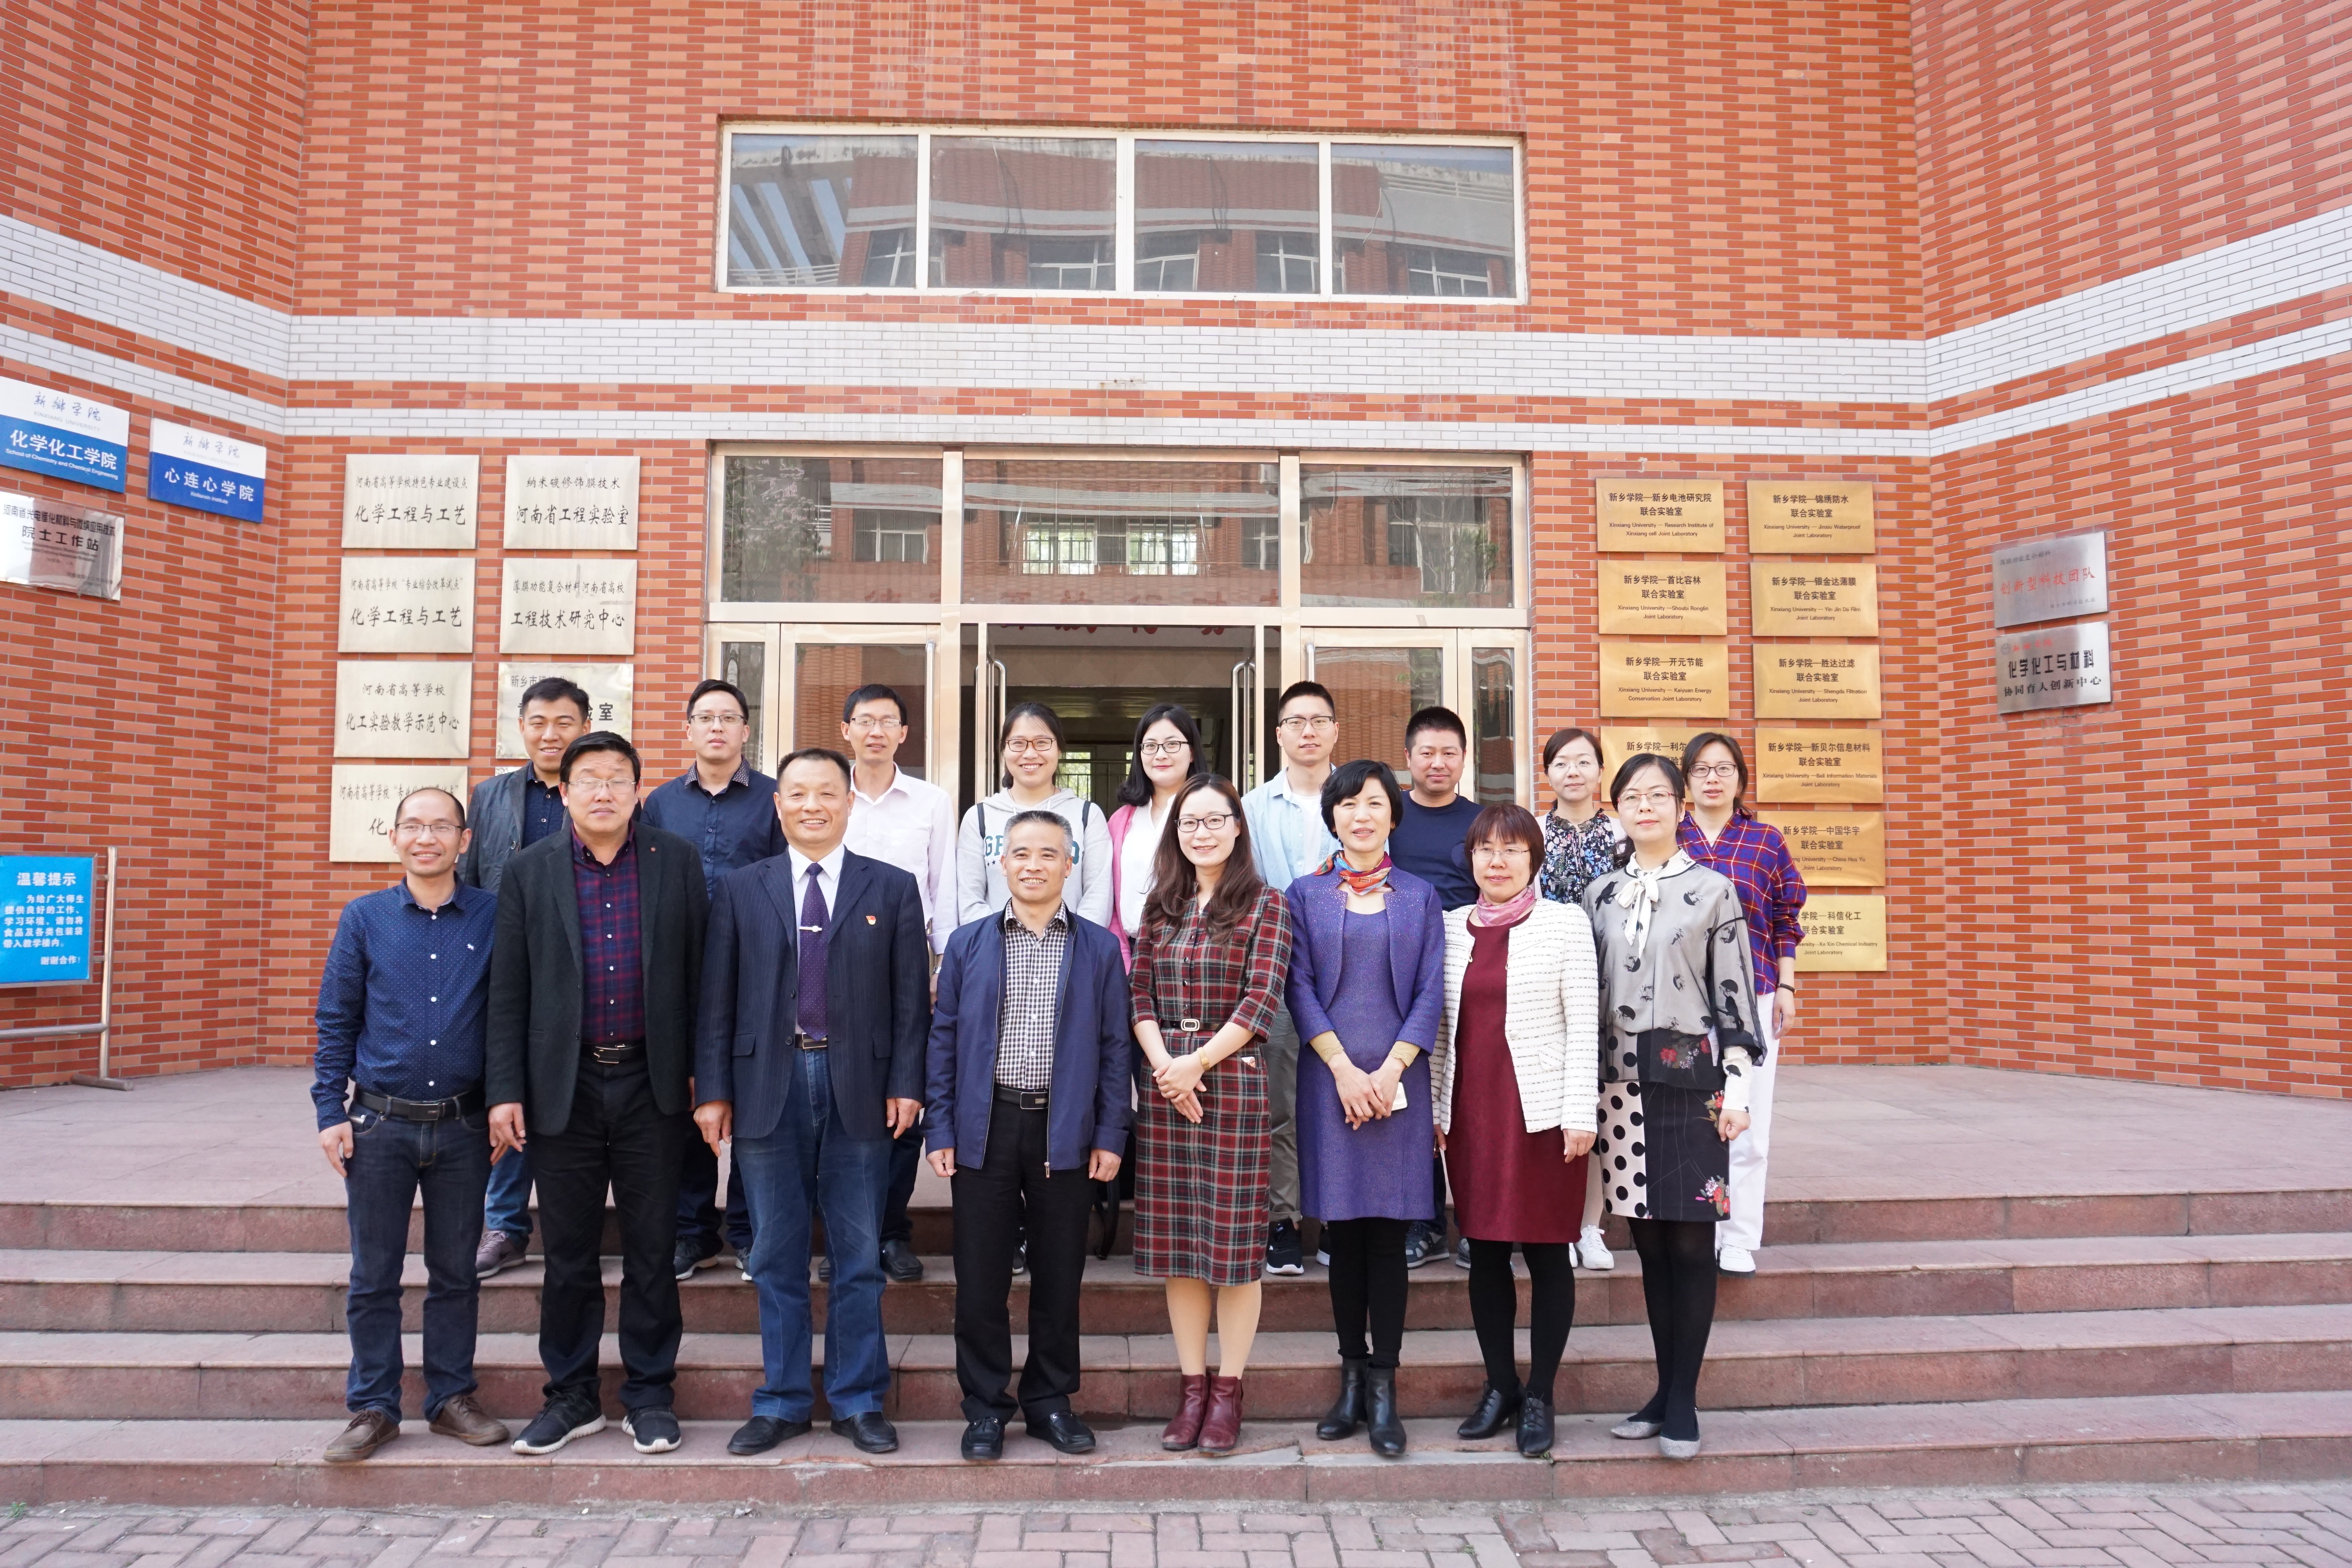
(64, 434)
(187, 466)
(43, 919)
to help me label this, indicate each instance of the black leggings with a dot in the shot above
(1678, 1286)
(1494, 1310)
(1368, 1286)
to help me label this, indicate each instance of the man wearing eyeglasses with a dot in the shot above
(1289, 840)
(727, 810)
(399, 1029)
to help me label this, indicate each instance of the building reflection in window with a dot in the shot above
(1125, 532)
(1432, 537)
(1429, 220)
(1227, 217)
(818, 530)
(817, 212)
(1032, 212)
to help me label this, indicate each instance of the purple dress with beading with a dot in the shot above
(1380, 1170)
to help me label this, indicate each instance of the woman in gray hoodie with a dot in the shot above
(1031, 749)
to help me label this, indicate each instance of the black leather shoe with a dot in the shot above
(824, 1268)
(1347, 1411)
(1535, 1427)
(899, 1262)
(1064, 1430)
(1381, 1422)
(1494, 1411)
(763, 1433)
(872, 1434)
(984, 1438)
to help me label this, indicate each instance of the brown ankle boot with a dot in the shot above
(1191, 1406)
(1221, 1427)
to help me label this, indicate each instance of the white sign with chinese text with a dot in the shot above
(363, 797)
(2050, 579)
(2058, 667)
(63, 433)
(404, 708)
(51, 544)
(570, 503)
(611, 690)
(406, 603)
(206, 470)
(568, 607)
(410, 500)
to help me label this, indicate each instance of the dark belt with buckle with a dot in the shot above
(810, 1042)
(616, 1053)
(1022, 1098)
(466, 1104)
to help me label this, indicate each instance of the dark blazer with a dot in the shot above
(1094, 1046)
(1416, 970)
(877, 989)
(532, 1053)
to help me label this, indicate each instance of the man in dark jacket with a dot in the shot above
(595, 978)
(815, 1002)
(1031, 1059)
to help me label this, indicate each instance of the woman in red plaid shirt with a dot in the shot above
(1212, 957)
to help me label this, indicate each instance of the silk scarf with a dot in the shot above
(1514, 908)
(1639, 893)
(1362, 884)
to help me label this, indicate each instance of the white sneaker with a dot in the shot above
(1591, 1253)
(1735, 1261)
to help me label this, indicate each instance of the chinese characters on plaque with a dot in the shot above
(2055, 667)
(406, 603)
(1806, 766)
(1844, 932)
(1664, 680)
(45, 904)
(1811, 599)
(409, 501)
(192, 467)
(363, 797)
(570, 503)
(1638, 515)
(1663, 598)
(63, 435)
(48, 544)
(568, 607)
(1816, 680)
(404, 708)
(1811, 517)
(610, 689)
(1619, 742)
(1834, 849)
(2050, 579)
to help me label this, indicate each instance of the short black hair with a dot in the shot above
(555, 688)
(1348, 780)
(1444, 718)
(1038, 814)
(872, 691)
(432, 789)
(1701, 742)
(600, 741)
(1560, 738)
(1633, 765)
(817, 754)
(1299, 688)
(742, 703)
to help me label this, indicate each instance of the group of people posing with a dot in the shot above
(1338, 998)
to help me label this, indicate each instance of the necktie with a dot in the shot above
(813, 920)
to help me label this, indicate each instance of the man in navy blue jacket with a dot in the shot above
(1031, 1058)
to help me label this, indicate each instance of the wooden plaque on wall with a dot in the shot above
(1834, 849)
(1663, 598)
(1816, 680)
(1811, 517)
(1665, 679)
(1832, 766)
(1844, 934)
(1639, 513)
(1812, 598)
(1619, 742)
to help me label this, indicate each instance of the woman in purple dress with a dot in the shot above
(1366, 986)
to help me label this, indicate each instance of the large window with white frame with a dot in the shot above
(1088, 211)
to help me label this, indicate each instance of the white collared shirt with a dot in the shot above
(828, 881)
(912, 826)
(1136, 854)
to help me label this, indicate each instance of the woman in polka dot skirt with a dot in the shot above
(1678, 1045)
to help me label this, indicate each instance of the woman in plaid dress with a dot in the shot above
(1212, 957)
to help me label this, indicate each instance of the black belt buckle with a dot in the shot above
(1023, 1098)
(615, 1053)
(809, 1042)
(415, 1109)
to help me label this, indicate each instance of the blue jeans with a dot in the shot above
(806, 1163)
(390, 1162)
(508, 1207)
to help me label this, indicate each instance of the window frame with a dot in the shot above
(1125, 248)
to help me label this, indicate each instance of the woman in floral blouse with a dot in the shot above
(1579, 843)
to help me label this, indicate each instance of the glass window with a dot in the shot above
(830, 531)
(1023, 212)
(1424, 220)
(1375, 691)
(820, 212)
(824, 674)
(1242, 217)
(1136, 533)
(746, 665)
(1494, 725)
(1431, 537)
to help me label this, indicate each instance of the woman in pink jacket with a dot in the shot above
(1168, 753)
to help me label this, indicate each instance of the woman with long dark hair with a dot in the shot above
(1209, 965)
(1168, 753)
(1678, 1045)
(1030, 747)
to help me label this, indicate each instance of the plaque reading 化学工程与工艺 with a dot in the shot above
(410, 500)
(1664, 680)
(1662, 598)
(406, 603)
(1637, 513)
(364, 796)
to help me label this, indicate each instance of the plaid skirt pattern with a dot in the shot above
(1201, 1188)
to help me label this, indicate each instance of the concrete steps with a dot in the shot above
(2246, 1438)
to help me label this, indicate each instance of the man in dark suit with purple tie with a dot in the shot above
(816, 1007)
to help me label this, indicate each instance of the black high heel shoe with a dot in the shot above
(1387, 1431)
(1537, 1426)
(1494, 1411)
(1347, 1411)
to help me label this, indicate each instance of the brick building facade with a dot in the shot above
(2025, 271)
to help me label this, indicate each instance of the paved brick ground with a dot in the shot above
(2292, 1528)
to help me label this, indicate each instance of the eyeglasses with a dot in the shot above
(1716, 771)
(866, 723)
(598, 789)
(1042, 745)
(1633, 799)
(1164, 748)
(1501, 852)
(1297, 721)
(411, 829)
(1217, 823)
(718, 721)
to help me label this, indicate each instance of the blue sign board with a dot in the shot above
(63, 433)
(45, 903)
(212, 473)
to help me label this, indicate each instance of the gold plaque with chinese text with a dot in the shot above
(1844, 934)
(1816, 680)
(1812, 598)
(1834, 766)
(1664, 680)
(1638, 514)
(1811, 517)
(1663, 598)
(1834, 849)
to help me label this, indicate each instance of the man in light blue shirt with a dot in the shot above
(1289, 840)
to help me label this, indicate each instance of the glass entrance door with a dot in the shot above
(1378, 679)
(798, 676)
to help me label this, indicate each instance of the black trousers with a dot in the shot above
(1014, 1194)
(618, 1139)
(1368, 1287)
(905, 1163)
(699, 1217)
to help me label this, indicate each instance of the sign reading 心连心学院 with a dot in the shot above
(2056, 667)
(187, 466)
(48, 544)
(64, 434)
(45, 903)
(2050, 579)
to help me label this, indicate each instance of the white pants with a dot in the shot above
(1745, 1228)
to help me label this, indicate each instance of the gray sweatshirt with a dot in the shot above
(979, 881)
